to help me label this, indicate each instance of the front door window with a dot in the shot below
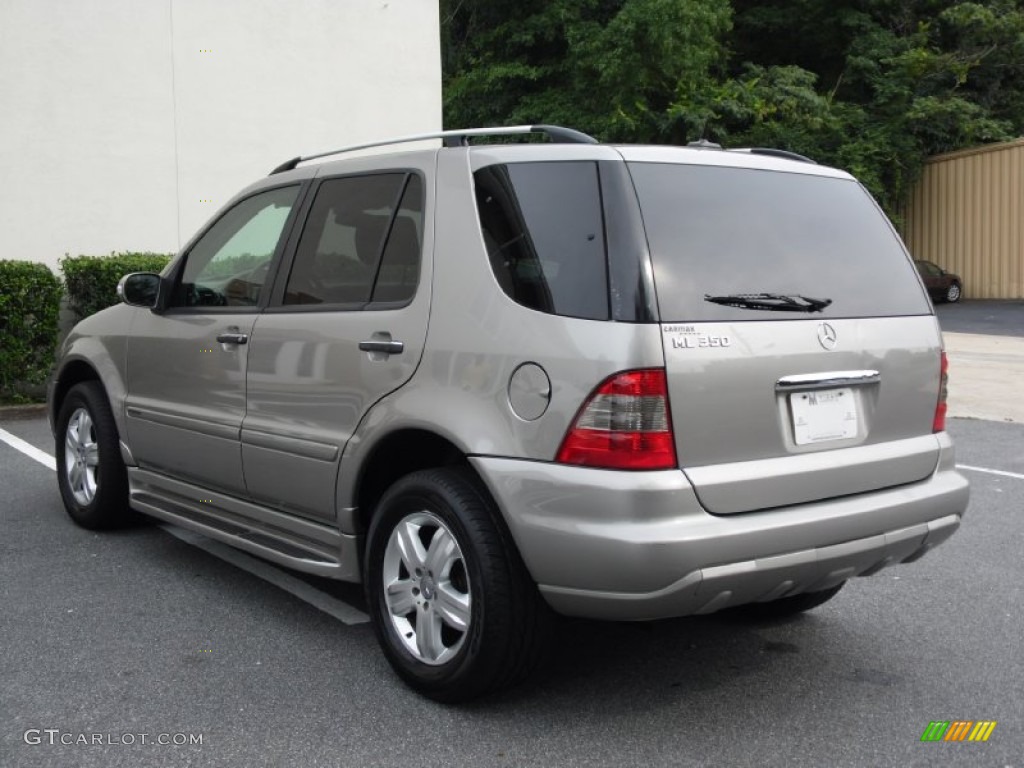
(228, 266)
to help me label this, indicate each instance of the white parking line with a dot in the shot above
(29, 450)
(342, 611)
(1000, 472)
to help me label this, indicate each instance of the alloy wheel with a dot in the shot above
(426, 588)
(81, 456)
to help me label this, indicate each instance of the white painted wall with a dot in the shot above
(124, 124)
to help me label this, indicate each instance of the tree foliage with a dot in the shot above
(873, 86)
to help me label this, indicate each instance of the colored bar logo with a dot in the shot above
(958, 730)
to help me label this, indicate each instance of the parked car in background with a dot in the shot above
(941, 285)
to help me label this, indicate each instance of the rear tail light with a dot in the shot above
(939, 422)
(624, 424)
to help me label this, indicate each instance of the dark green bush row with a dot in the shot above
(91, 281)
(29, 307)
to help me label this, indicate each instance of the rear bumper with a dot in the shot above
(638, 545)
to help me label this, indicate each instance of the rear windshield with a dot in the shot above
(729, 231)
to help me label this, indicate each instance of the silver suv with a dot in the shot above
(489, 381)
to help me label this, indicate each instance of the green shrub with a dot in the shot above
(91, 281)
(29, 306)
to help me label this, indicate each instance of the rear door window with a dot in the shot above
(361, 243)
(716, 231)
(399, 271)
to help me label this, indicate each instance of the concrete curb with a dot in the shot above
(27, 411)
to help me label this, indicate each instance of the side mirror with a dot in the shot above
(139, 289)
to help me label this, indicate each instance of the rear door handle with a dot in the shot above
(233, 338)
(378, 345)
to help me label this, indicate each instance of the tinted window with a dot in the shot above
(400, 266)
(228, 265)
(725, 231)
(544, 234)
(339, 251)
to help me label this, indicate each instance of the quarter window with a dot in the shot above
(544, 232)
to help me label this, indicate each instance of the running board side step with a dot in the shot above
(292, 542)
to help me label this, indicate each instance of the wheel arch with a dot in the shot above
(71, 373)
(397, 454)
(78, 369)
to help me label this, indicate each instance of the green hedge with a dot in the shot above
(91, 281)
(29, 307)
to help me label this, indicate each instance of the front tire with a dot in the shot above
(953, 293)
(91, 476)
(452, 605)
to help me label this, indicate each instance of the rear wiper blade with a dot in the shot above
(776, 302)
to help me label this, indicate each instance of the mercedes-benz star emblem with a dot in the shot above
(827, 336)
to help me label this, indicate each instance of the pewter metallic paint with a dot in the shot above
(275, 450)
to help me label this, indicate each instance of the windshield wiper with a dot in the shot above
(775, 302)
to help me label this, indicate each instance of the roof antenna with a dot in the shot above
(702, 142)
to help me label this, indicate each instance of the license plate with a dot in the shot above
(824, 415)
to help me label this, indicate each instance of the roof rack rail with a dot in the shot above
(772, 152)
(457, 138)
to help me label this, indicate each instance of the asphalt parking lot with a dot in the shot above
(139, 636)
(998, 318)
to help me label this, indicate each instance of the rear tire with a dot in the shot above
(452, 605)
(786, 606)
(91, 476)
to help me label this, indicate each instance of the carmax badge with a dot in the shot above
(827, 336)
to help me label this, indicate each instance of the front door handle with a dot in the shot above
(233, 338)
(380, 345)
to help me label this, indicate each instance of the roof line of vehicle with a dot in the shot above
(455, 138)
(557, 135)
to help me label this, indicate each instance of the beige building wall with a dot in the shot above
(967, 215)
(128, 123)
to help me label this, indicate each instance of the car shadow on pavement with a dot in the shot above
(661, 663)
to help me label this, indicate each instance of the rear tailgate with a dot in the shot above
(828, 387)
(767, 417)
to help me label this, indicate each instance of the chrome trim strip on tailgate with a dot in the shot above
(803, 381)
